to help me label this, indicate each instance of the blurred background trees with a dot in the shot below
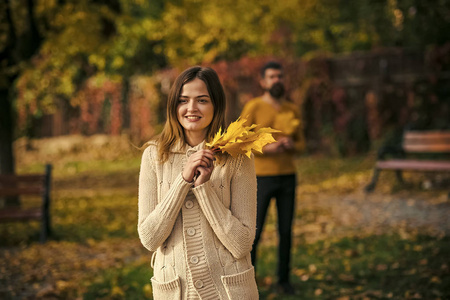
(97, 66)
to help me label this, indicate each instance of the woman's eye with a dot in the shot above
(182, 101)
(202, 100)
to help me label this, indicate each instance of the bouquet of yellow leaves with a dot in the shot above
(286, 122)
(240, 139)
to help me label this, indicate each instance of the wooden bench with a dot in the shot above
(418, 142)
(29, 185)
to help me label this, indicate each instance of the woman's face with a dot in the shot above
(195, 108)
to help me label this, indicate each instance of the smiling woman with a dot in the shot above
(197, 214)
(188, 86)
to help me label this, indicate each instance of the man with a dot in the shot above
(275, 168)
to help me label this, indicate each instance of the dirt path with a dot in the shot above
(322, 215)
(414, 212)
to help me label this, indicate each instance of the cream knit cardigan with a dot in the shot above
(201, 237)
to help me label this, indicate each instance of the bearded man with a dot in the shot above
(275, 168)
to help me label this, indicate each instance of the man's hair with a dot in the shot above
(270, 65)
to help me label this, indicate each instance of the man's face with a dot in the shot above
(271, 77)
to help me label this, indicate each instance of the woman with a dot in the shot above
(196, 213)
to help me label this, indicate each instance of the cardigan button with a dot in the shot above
(191, 231)
(198, 284)
(189, 204)
(194, 259)
(190, 152)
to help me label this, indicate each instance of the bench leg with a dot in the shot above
(43, 235)
(45, 224)
(45, 229)
(371, 186)
(399, 176)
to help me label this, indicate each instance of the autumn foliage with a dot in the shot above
(240, 139)
(105, 67)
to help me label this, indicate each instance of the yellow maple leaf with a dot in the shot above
(286, 122)
(240, 139)
(217, 137)
(234, 130)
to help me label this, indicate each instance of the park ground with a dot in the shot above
(391, 244)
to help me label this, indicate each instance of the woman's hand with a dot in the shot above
(200, 163)
(204, 174)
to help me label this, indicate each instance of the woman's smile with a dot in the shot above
(193, 118)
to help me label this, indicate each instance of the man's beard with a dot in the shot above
(277, 90)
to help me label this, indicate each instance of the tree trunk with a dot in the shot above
(6, 134)
(6, 142)
(16, 49)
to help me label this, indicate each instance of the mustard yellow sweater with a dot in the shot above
(263, 114)
(201, 237)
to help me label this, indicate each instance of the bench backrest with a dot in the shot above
(11, 185)
(426, 141)
(16, 185)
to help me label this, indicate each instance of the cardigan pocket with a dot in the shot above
(170, 290)
(241, 286)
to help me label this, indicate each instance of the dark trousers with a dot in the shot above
(282, 188)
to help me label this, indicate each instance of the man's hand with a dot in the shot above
(282, 145)
(272, 148)
(287, 142)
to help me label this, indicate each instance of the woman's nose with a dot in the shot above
(192, 106)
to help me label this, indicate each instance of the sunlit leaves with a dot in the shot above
(127, 37)
(81, 39)
(240, 139)
(196, 31)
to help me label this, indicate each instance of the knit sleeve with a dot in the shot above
(156, 220)
(235, 227)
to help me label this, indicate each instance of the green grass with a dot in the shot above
(378, 267)
(316, 169)
(131, 282)
(90, 200)
(76, 168)
(77, 219)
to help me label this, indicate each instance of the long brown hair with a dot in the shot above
(173, 131)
